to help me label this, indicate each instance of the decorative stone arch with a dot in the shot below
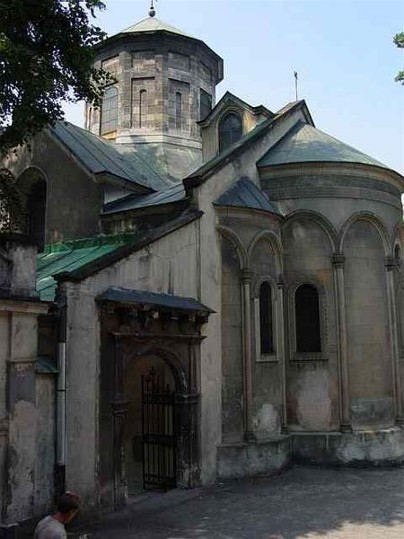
(274, 241)
(375, 221)
(319, 219)
(237, 244)
(33, 184)
(169, 357)
(296, 281)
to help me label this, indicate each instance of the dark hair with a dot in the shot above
(67, 502)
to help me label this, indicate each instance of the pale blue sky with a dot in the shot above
(342, 50)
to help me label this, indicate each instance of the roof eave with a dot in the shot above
(392, 173)
(108, 177)
(240, 209)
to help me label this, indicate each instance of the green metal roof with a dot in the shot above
(173, 194)
(245, 194)
(304, 143)
(72, 255)
(102, 157)
(152, 24)
(78, 259)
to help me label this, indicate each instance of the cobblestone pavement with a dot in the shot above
(307, 503)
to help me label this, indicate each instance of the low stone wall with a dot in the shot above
(248, 459)
(383, 447)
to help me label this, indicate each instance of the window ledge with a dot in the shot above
(267, 358)
(309, 356)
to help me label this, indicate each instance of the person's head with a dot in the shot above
(68, 506)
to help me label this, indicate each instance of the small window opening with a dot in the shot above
(36, 213)
(307, 311)
(178, 110)
(109, 110)
(230, 130)
(142, 108)
(266, 326)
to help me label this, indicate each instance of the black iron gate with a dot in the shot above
(158, 434)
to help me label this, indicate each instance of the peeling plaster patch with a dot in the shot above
(313, 401)
(266, 418)
(22, 460)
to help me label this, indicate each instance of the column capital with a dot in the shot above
(281, 281)
(338, 260)
(391, 263)
(246, 275)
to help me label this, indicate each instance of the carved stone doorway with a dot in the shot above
(142, 331)
(146, 420)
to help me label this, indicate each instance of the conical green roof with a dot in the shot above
(304, 143)
(151, 24)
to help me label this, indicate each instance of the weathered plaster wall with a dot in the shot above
(22, 416)
(370, 362)
(44, 443)
(169, 265)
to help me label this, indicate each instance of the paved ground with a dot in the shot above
(307, 503)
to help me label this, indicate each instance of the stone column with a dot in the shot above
(281, 352)
(119, 411)
(393, 331)
(247, 367)
(338, 261)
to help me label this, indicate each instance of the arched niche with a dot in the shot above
(33, 186)
(368, 339)
(312, 383)
(267, 335)
(231, 331)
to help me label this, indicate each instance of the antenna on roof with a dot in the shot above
(296, 77)
(152, 11)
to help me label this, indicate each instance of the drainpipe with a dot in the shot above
(61, 404)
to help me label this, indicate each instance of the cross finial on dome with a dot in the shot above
(152, 11)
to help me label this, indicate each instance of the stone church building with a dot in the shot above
(219, 291)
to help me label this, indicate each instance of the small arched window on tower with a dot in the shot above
(230, 130)
(265, 319)
(142, 108)
(109, 110)
(307, 316)
(178, 110)
(36, 212)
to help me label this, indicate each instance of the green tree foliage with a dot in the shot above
(46, 56)
(399, 41)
